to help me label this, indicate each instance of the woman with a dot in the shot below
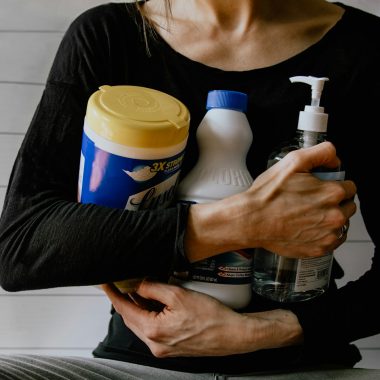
(187, 49)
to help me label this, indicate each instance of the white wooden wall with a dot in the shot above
(71, 321)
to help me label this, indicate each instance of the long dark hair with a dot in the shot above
(147, 25)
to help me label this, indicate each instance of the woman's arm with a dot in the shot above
(47, 238)
(193, 324)
(286, 210)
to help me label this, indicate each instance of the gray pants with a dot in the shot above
(33, 367)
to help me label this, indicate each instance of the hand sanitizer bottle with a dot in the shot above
(286, 279)
(224, 137)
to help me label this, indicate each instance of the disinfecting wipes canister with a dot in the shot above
(132, 148)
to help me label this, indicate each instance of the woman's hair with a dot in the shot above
(148, 26)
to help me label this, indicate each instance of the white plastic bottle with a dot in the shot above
(292, 280)
(224, 137)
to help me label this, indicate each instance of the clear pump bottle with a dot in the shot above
(292, 280)
(224, 137)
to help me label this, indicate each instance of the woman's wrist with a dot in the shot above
(212, 228)
(252, 332)
(274, 329)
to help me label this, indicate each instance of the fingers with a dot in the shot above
(112, 293)
(320, 155)
(348, 209)
(342, 235)
(338, 193)
(304, 160)
(149, 290)
(349, 188)
(340, 219)
(160, 292)
(341, 205)
(135, 317)
(149, 299)
(121, 303)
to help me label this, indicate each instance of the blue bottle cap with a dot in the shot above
(233, 100)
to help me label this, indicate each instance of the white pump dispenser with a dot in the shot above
(313, 118)
(291, 280)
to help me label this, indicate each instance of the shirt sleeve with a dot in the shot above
(47, 238)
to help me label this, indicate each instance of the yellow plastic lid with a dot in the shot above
(137, 116)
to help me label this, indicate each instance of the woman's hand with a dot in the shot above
(193, 324)
(287, 211)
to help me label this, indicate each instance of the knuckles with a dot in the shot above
(318, 251)
(332, 193)
(338, 194)
(159, 347)
(159, 350)
(175, 294)
(293, 159)
(335, 218)
(153, 331)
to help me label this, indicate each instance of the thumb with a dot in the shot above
(304, 160)
(158, 291)
(115, 296)
(123, 305)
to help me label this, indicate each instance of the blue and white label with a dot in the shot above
(330, 176)
(111, 180)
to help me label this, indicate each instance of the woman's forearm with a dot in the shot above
(194, 324)
(287, 210)
(274, 329)
(210, 231)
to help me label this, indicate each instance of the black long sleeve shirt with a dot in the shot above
(48, 239)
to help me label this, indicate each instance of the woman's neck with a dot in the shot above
(244, 34)
(229, 15)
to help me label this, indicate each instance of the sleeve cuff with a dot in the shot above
(180, 262)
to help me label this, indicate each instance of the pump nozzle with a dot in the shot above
(316, 87)
(313, 117)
